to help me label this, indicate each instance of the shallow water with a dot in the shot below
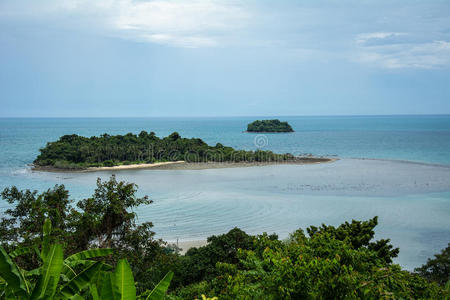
(411, 199)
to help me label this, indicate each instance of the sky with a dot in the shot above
(138, 58)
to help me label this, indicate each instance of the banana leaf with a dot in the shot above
(47, 230)
(87, 254)
(11, 275)
(50, 273)
(81, 280)
(124, 281)
(20, 251)
(108, 287)
(160, 289)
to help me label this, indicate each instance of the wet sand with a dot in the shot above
(182, 165)
(186, 245)
(222, 165)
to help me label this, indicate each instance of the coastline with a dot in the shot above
(114, 168)
(246, 131)
(182, 165)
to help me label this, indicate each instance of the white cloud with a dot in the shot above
(392, 51)
(301, 32)
(182, 23)
(376, 36)
(179, 23)
(179, 40)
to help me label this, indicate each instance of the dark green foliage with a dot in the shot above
(200, 263)
(78, 276)
(77, 152)
(331, 263)
(107, 215)
(359, 234)
(192, 291)
(103, 220)
(269, 126)
(318, 267)
(438, 268)
(22, 225)
(110, 163)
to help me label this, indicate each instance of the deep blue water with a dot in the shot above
(407, 184)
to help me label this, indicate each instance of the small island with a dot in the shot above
(269, 126)
(146, 150)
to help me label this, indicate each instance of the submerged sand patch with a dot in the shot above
(183, 165)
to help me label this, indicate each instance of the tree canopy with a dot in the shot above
(269, 126)
(104, 220)
(75, 152)
(437, 269)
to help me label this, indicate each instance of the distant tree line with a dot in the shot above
(74, 151)
(269, 126)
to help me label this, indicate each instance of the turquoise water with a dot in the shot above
(405, 181)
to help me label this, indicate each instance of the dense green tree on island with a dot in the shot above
(74, 152)
(343, 262)
(269, 126)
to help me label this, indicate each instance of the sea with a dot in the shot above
(393, 167)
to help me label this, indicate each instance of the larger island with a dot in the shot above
(269, 126)
(74, 152)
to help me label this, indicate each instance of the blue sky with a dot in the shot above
(109, 58)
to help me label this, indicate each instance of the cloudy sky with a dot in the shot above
(223, 58)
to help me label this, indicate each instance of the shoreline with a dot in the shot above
(182, 165)
(113, 168)
(268, 131)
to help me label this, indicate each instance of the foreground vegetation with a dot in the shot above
(72, 278)
(269, 126)
(105, 248)
(78, 152)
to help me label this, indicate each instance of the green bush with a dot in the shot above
(329, 263)
(437, 269)
(193, 291)
(108, 163)
(269, 126)
(324, 265)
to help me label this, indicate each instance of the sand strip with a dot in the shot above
(182, 165)
(186, 245)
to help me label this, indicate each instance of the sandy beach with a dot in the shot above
(137, 166)
(114, 168)
(186, 245)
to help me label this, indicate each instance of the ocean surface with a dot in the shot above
(394, 167)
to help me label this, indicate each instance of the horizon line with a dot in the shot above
(221, 116)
